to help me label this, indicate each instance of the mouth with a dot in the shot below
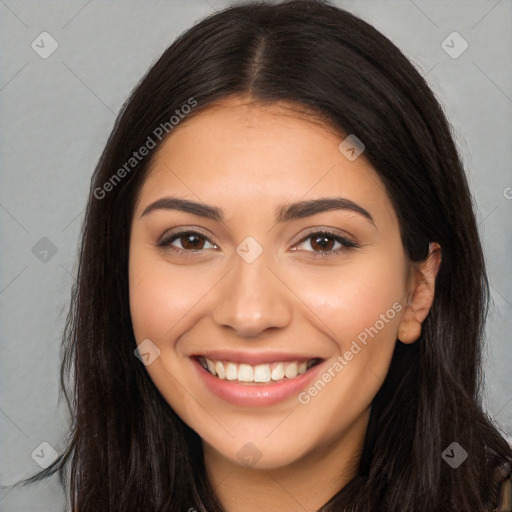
(257, 374)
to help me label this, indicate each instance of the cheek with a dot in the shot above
(360, 310)
(163, 296)
(148, 294)
(351, 299)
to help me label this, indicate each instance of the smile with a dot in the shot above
(250, 380)
(259, 373)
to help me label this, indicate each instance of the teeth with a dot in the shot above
(219, 370)
(211, 366)
(231, 371)
(278, 372)
(261, 373)
(245, 373)
(291, 371)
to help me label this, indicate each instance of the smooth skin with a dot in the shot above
(249, 159)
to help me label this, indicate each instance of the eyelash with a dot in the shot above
(346, 243)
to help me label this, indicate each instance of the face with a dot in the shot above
(270, 327)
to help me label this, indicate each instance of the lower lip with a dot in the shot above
(256, 395)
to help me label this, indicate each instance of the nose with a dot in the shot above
(252, 299)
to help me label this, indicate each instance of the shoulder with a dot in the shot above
(503, 476)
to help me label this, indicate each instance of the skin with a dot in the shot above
(248, 159)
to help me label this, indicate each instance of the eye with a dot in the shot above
(323, 243)
(189, 241)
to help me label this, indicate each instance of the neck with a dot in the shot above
(303, 485)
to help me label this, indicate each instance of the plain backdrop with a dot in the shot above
(56, 115)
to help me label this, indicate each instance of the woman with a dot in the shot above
(281, 291)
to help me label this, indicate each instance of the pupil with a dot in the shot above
(191, 242)
(324, 242)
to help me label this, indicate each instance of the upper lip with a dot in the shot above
(252, 358)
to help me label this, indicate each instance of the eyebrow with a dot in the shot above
(284, 212)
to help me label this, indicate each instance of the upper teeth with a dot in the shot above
(243, 372)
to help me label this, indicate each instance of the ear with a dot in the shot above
(421, 287)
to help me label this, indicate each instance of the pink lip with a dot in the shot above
(256, 395)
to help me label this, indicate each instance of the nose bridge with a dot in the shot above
(252, 299)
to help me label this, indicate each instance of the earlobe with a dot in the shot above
(421, 295)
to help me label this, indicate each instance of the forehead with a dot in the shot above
(236, 153)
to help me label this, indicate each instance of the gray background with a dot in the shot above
(58, 112)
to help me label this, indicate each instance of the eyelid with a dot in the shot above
(330, 230)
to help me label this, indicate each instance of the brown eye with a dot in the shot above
(324, 244)
(188, 241)
(192, 242)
